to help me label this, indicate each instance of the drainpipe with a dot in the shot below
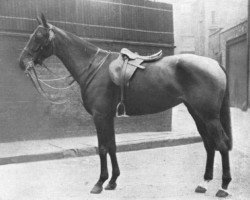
(248, 55)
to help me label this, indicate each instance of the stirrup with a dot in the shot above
(122, 106)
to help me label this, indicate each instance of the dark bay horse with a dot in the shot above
(198, 82)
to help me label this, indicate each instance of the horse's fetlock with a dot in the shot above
(225, 182)
(104, 177)
(116, 173)
(208, 176)
(227, 179)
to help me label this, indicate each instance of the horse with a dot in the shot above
(198, 82)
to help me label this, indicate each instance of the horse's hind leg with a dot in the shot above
(208, 176)
(226, 175)
(222, 144)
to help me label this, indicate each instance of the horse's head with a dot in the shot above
(40, 45)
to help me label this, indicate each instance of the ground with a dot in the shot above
(163, 173)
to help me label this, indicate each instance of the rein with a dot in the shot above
(37, 82)
(39, 87)
(43, 81)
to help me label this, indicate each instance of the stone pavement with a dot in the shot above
(184, 132)
(169, 173)
(28, 151)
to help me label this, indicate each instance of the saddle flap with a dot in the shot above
(116, 73)
(115, 68)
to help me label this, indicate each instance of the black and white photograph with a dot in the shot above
(124, 99)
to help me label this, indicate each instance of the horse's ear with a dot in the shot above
(39, 21)
(44, 21)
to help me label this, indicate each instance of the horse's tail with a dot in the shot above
(225, 115)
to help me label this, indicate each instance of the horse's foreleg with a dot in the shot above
(115, 167)
(104, 128)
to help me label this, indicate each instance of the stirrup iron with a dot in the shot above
(121, 106)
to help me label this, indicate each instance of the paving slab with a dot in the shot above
(30, 151)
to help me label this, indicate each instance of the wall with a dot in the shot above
(218, 40)
(213, 15)
(229, 48)
(214, 46)
(183, 25)
(139, 20)
(231, 33)
(24, 114)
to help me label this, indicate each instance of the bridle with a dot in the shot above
(30, 67)
(37, 82)
(48, 40)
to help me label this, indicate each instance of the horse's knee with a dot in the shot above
(102, 151)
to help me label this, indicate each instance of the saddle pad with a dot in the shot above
(115, 70)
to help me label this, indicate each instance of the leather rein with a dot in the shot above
(37, 82)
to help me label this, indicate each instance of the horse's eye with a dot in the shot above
(39, 34)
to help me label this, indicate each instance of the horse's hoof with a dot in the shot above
(200, 189)
(96, 189)
(111, 186)
(222, 193)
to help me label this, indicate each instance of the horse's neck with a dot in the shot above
(74, 53)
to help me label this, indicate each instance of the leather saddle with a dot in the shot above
(122, 69)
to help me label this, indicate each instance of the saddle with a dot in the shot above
(122, 69)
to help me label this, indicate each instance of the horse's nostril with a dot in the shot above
(26, 63)
(22, 65)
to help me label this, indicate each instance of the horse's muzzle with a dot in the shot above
(26, 62)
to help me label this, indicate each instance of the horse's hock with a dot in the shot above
(25, 115)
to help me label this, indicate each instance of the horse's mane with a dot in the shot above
(76, 38)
